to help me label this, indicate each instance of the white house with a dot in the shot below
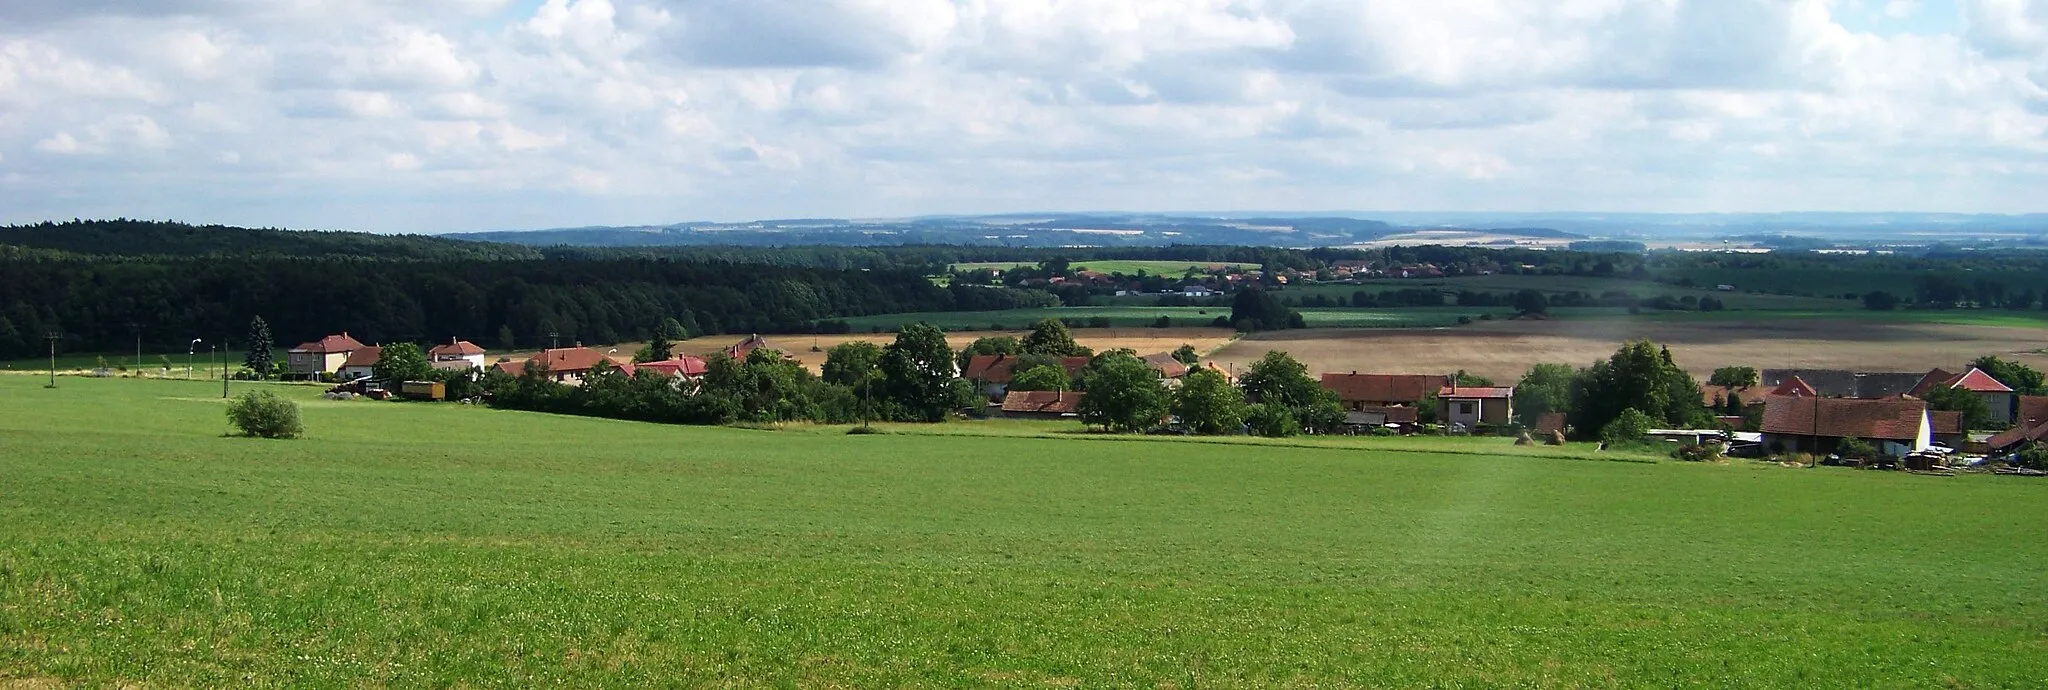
(456, 354)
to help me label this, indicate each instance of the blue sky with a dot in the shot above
(444, 115)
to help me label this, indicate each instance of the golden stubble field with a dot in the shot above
(1504, 350)
(1144, 340)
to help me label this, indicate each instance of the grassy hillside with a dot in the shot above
(404, 544)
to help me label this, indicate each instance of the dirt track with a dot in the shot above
(1503, 350)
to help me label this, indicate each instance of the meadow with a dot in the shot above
(1145, 316)
(414, 544)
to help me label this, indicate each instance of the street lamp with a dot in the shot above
(194, 349)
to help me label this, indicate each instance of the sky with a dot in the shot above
(454, 115)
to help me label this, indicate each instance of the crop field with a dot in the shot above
(1129, 268)
(1504, 350)
(810, 349)
(1144, 316)
(1739, 300)
(446, 545)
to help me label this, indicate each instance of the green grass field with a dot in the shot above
(1130, 268)
(1143, 316)
(410, 544)
(1586, 284)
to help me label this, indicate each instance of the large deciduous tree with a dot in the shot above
(1124, 393)
(1208, 404)
(919, 368)
(1044, 377)
(1547, 388)
(402, 362)
(1051, 338)
(1640, 377)
(1280, 380)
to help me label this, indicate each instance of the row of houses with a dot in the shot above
(1815, 411)
(346, 358)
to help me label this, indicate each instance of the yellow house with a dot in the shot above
(323, 356)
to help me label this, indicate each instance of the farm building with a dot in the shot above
(360, 364)
(1375, 399)
(1997, 397)
(456, 355)
(1818, 425)
(323, 356)
(741, 349)
(993, 373)
(1042, 404)
(565, 365)
(1473, 406)
(1841, 383)
(1169, 368)
(683, 367)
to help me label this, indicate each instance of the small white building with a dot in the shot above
(455, 354)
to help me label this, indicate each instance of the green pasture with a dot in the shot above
(409, 544)
(1173, 269)
(1145, 316)
(124, 363)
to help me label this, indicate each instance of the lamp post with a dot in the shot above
(194, 349)
(52, 336)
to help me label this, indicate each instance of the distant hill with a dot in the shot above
(124, 237)
(1008, 230)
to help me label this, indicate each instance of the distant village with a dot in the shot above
(1781, 413)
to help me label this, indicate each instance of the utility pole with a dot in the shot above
(52, 336)
(554, 340)
(138, 346)
(223, 368)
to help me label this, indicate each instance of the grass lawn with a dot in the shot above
(412, 544)
(1143, 316)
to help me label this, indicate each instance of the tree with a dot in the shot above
(1186, 354)
(402, 362)
(258, 359)
(1631, 426)
(506, 341)
(662, 346)
(1124, 394)
(1531, 302)
(1051, 338)
(1547, 388)
(2033, 456)
(1271, 421)
(1253, 309)
(1976, 415)
(919, 369)
(1044, 377)
(1879, 300)
(2023, 379)
(1642, 377)
(1467, 380)
(1856, 449)
(1278, 379)
(264, 414)
(1733, 377)
(853, 364)
(1208, 404)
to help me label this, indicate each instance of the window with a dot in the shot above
(1464, 408)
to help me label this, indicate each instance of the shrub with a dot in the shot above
(2034, 456)
(865, 431)
(1857, 449)
(266, 415)
(1692, 453)
(1631, 426)
(1271, 421)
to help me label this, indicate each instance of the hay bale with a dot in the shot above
(1556, 439)
(1523, 439)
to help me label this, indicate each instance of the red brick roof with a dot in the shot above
(456, 348)
(1167, 366)
(1979, 382)
(1795, 387)
(330, 345)
(2033, 409)
(1932, 380)
(2018, 435)
(1945, 423)
(570, 360)
(365, 356)
(1043, 402)
(1891, 420)
(741, 349)
(1475, 393)
(1001, 368)
(680, 366)
(1383, 388)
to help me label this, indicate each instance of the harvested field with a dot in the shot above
(1144, 340)
(1503, 350)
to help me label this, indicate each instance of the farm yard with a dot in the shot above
(470, 546)
(1504, 350)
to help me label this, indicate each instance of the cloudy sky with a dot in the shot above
(435, 115)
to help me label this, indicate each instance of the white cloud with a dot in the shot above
(571, 112)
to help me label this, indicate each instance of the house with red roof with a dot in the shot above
(360, 364)
(992, 373)
(1795, 424)
(741, 349)
(456, 354)
(1043, 404)
(323, 356)
(566, 365)
(1998, 397)
(1377, 399)
(683, 367)
(1474, 405)
(1794, 387)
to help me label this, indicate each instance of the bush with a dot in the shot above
(2034, 456)
(1632, 426)
(266, 415)
(1692, 453)
(1856, 449)
(865, 431)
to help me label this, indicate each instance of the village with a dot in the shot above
(1879, 418)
